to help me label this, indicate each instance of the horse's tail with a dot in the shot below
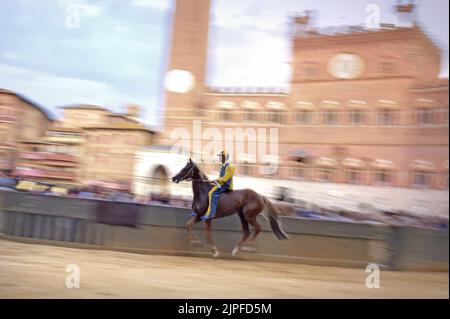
(273, 220)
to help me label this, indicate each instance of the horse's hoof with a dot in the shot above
(216, 254)
(235, 252)
(249, 249)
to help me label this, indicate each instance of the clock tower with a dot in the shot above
(185, 77)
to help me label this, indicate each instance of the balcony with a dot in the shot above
(6, 165)
(47, 156)
(40, 173)
(8, 119)
(7, 146)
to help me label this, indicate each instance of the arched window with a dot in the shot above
(426, 112)
(250, 111)
(299, 171)
(383, 172)
(425, 116)
(357, 117)
(226, 116)
(421, 178)
(383, 177)
(274, 117)
(387, 117)
(303, 117)
(422, 174)
(225, 111)
(330, 117)
(304, 113)
(354, 170)
(387, 112)
(250, 117)
(330, 112)
(275, 112)
(326, 169)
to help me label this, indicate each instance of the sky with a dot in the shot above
(115, 54)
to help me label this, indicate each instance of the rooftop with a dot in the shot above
(65, 129)
(120, 126)
(46, 112)
(84, 107)
(346, 30)
(248, 90)
(360, 34)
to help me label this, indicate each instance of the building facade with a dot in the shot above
(20, 120)
(87, 145)
(110, 142)
(364, 107)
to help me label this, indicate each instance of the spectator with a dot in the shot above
(86, 193)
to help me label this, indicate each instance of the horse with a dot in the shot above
(245, 202)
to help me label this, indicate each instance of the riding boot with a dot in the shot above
(206, 217)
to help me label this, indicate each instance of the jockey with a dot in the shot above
(224, 183)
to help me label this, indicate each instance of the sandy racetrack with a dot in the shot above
(38, 271)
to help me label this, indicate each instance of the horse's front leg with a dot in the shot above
(191, 222)
(208, 234)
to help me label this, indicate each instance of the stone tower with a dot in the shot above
(184, 81)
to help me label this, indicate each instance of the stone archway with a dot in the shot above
(160, 180)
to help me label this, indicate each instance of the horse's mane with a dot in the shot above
(201, 175)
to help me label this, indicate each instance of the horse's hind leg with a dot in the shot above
(208, 234)
(246, 234)
(256, 227)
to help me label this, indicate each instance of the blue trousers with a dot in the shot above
(213, 196)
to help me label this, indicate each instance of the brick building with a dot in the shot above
(110, 141)
(364, 107)
(365, 118)
(21, 119)
(88, 144)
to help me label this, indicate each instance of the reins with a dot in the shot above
(196, 179)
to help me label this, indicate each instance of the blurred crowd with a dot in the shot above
(286, 205)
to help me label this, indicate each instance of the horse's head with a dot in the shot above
(186, 173)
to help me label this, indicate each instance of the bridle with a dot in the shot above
(190, 179)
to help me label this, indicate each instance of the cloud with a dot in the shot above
(83, 7)
(154, 4)
(10, 56)
(52, 91)
(248, 57)
(26, 80)
(90, 10)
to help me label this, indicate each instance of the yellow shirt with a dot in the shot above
(227, 176)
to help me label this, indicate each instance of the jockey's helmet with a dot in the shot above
(224, 154)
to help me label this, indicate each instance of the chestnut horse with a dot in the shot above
(246, 203)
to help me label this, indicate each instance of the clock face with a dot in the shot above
(179, 81)
(346, 66)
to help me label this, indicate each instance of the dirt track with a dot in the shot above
(37, 271)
